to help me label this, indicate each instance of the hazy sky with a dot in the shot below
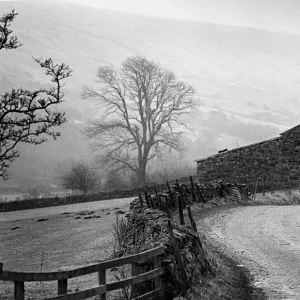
(275, 15)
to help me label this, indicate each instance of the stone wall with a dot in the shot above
(272, 162)
(146, 226)
(73, 199)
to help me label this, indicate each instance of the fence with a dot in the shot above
(180, 199)
(174, 201)
(62, 278)
(181, 195)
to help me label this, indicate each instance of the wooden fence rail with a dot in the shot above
(19, 278)
(161, 201)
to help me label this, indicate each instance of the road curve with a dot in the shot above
(266, 240)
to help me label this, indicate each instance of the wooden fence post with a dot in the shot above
(193, 224)
(141, 199)
(158, 199)
(180, 192)
(134, 272)
(180, 208)
(19, 293)
(168, 212)
(157, 264)
(147, 200)
(192, 190)
(171, 195)
(178, 256)
(165, 206)
(102, 281)
(200, 194)
(62, 287)
(192, 221)
(151, 201)
(156, 193)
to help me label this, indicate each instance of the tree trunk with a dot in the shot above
(141, 174)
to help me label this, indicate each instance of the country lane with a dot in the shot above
(264, 239)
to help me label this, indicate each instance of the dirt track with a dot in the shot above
(266, 240)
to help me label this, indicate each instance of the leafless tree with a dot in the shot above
(81, 177)
(143, 105)
(27, 116)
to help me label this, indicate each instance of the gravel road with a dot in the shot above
(264, 239)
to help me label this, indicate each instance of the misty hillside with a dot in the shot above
(248, 80)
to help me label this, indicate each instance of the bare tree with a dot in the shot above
(143, 107)
(81, 177)
(27, 116)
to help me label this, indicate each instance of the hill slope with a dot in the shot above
(247, 79)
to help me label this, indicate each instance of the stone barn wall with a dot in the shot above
(273, 162)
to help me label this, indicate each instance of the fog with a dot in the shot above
(245, 66)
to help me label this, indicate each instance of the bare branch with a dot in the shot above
(8, 41)
(27, 116)
(143, 105)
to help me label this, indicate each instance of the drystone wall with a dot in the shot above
(274, 162)
(208, 192)
(146, 226)
(73, 199)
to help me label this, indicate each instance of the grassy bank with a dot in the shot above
(230, 281)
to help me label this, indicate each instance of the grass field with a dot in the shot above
(57, 238)
(66, 237)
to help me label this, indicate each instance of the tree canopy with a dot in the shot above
(143, 104)
(81, 177)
